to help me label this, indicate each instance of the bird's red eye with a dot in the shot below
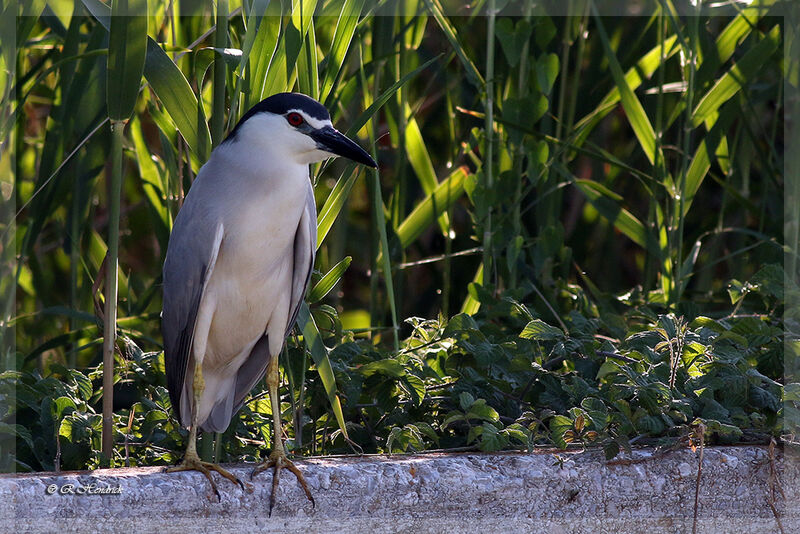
(295, 119)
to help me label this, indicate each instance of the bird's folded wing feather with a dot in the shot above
(190, 259)
(305, 248)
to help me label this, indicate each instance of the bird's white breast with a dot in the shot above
(252, 279)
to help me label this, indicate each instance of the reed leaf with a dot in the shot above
(737, 76)
(169, 84)
(432, 206)
(634, 111)
(343, 35)
(327, 282)
(319, 352)
(127, 48)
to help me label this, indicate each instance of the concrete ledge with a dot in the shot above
(510, 492)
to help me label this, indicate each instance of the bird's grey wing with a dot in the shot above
(191, 255)
(305, 247)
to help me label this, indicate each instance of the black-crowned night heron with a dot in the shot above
(239, 260)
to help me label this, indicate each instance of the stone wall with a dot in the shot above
(550, 492)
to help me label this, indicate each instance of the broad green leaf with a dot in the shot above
(607, 368)
(415, 387)
(62, 406)
(526, 110)
(559, 425)
(127, 46)
(480, 410)
(445, 195)
(707, 322)
(547, 72)
(319, 352)
(82, 383)
(465, 400)
(327, 282)
(386, 367)
(513, 37)
(541, 331)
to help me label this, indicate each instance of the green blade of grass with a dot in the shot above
(319, 352)
(367, 114)
(174, 92)
(335, 202)
(152, 183)
(265, 47)
(607, 204)
(420, 160)
(337, 197)
(637, 117)
(726, 43)
(643, 69)
(436, 203)
(282, 68)
(708, 147)
(97, 250)
(743, 71)
(30, 11)
(218, 102)
(169, 84)
(257, 11)
(127, 46)
(327, 282)
(473, 74)
(471, 304)
(342, 36)
(738, 29)
(307, 71)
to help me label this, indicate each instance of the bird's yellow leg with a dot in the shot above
(191, 461)
(277, 458)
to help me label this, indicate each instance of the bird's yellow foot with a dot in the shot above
(278, 460)
(194, 463)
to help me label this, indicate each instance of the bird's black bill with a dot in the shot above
(330, 140)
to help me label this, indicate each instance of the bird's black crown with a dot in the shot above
(279, 104)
